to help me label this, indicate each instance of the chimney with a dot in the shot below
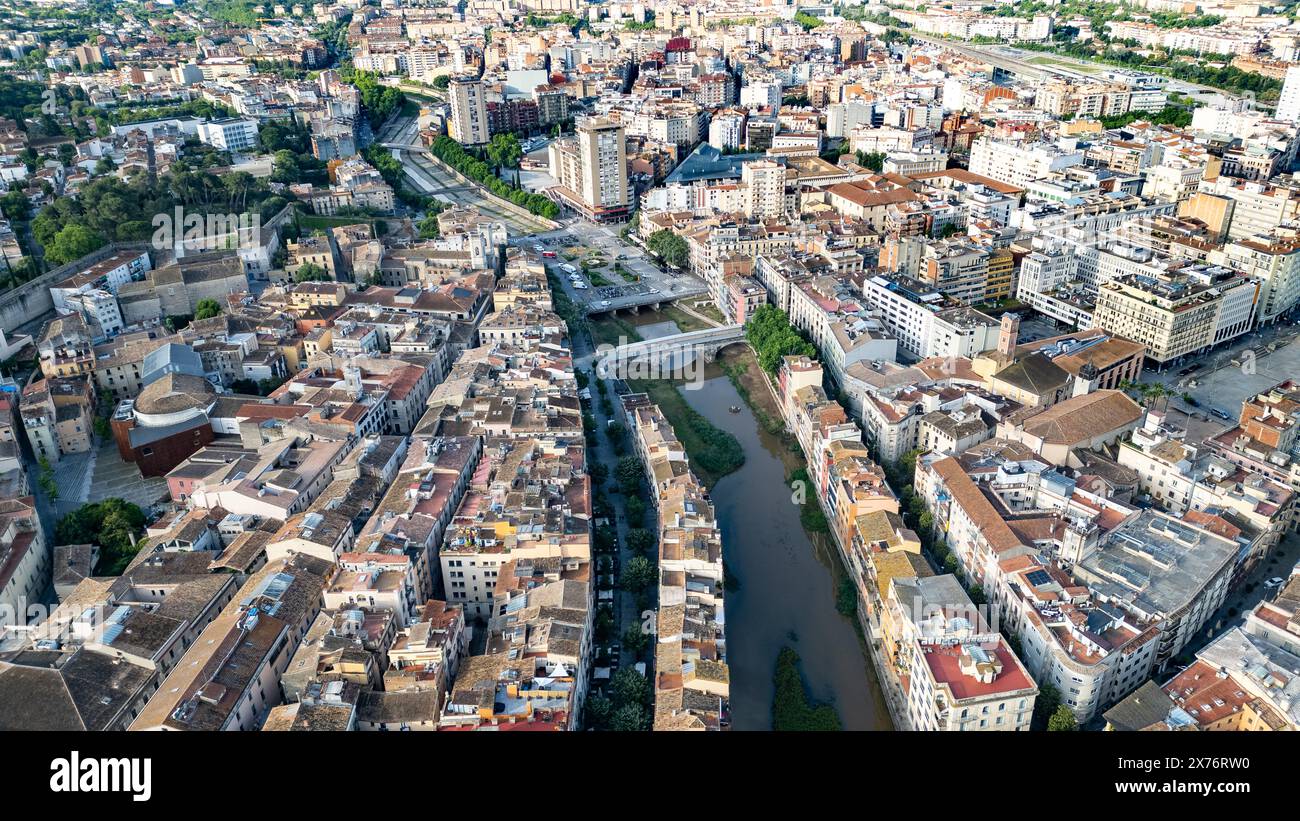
(1008, 334)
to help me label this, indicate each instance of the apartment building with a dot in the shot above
(229, 679)
(232, 134)
(468, 124)
(526, 503)
(692, 680)
(25, 569)
(765, 189)
(1021, 163)
(1181, 314)
(925, 322)
(1273, 261)
(962, 676)
(591, 168)
(1151, 580)
(837, 322)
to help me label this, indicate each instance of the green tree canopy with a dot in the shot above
(72, 242)
(310, 272)
(207, 308)
(113, 524)
(1063, 720)
(772, 338)
(669, 247)
(638, 574)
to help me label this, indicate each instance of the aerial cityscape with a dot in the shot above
(561, 365)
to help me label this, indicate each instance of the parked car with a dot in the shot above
(1221, 414)
(1276, 581)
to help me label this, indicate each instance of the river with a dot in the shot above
(784, 592)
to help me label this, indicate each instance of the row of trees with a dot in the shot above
(390, 168)
(769, 333)
(1174, 115)
(453, 154)
(379, 101)
(1206, 69)
(626, 708)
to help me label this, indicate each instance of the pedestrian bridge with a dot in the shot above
(667, 357)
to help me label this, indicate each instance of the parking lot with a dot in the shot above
(618, 275)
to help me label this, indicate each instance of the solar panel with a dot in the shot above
(1038, 577)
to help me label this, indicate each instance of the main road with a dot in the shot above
(1020, 61)
(401, 137)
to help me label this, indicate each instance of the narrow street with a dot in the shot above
(626, 613)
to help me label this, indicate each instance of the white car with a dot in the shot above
(580, 286)
(568, 269)
(1276, 581)
(604, 303)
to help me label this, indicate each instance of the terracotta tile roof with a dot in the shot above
(1083, 417)
(977, 506)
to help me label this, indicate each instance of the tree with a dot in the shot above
(768, 331)
(640, 539)
(846, 598)
(635, 640)
(635, 510)
(15, 205)
(638, 574)
(113, 524)
(807, 21)
(379, 101)
(791, 709)
(629, 473)
(872, 160)
(669, 247)
(630, 718)
(207, 308)
(46, 479)
(627, 686)
(443, 81)
(597, 712)
(1152, 393)
(428, 227)
(1049, 698)
(310, 272)
(71, 243)
(504, 150)
(1063, 720)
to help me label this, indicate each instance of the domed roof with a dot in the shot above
(174, 393)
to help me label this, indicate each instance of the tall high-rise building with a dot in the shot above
(469, 117)
(1288, 104)
(764, 182)
(592, 170)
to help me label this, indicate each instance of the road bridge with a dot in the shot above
(668, 356)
